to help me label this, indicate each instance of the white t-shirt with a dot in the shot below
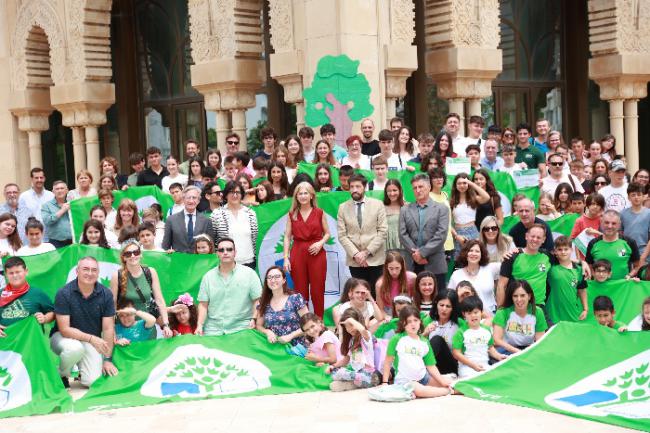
(474, 344)
(615, 198)
(395, 162)
(364, 162)
(26, 250)
(168, 180)
(410, 353)
(368, 310)
(446, 331)
(483, 282)
(549, 184)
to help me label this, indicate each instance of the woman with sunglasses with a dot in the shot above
(600, 182)
(497, 243)
(140, 285)
(508, 137)
(280, 310)
(236, 221)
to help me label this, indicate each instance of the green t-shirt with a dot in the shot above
(412, 356)
(621, 253)
(531, 155)
(520, 331)
(533, 268)
(34, 301)
(563, 304)
(132, 294)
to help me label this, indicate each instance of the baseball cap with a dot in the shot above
(617, 165)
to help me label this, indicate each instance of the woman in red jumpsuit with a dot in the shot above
(307, 228)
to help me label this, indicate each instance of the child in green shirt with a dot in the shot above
(605, 313)
(567, 298)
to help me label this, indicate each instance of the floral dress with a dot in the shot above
(287, 320)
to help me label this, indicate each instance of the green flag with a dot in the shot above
(193, 367)
(178, 272)
(29, 381)
(143, 196)
(626, 295)
(577, 369)
(563, 225)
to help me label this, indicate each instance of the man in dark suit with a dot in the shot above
(423, 227)
(182, 227)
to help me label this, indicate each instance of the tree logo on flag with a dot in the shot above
(15, 386)
(194, 371)
(106, 270)
(622, 390)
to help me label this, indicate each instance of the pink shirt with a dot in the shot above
(318, 347)
(584, 222)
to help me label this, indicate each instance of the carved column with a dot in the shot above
(223, 128)
(78, 148)
(473, 107)
(631, 135)
(92, 151)
(239, 126)
(34, 124)
(616, 123)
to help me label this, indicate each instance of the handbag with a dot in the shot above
(152, 305)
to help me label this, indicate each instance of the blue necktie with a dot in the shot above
(190, 229)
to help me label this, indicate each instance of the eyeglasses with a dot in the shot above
(235, 192)
(557, 164)
(274, 277)
(224, 250)
(600, 271)
(132, 253)
(490, 229)
(214, 192)
(232, 142)
(509, 135)
(600, 183)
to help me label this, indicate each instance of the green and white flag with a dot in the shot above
(577, 369)
(627, 296)
(143, 196)
(561, 226)
(29, 381)
(192, 367)
(178, 272)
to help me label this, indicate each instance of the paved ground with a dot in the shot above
(316, 412)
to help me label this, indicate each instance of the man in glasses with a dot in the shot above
(85, 325)
(232, 143)
(227, 295)
(181, 227)
(211, 197)
(557, 175)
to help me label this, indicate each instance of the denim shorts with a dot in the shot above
(425, 380)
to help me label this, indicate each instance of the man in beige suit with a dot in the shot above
(362, 232)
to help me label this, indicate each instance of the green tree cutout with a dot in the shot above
(339, 95)
(279, 247)
(5, 376)
(633, 385)
(206, 372)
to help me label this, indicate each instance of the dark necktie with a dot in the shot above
(359, 217)
(190, 229)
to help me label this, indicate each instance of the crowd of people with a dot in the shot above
(437, 288)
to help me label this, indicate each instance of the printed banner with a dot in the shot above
(577, 369)
(192, 367)
(178, 272)
(29, 381)
(143, 196)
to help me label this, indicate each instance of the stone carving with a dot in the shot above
(281, 19)
(224, 28)
(402, 21)
(232, 99)
(396, 85)
(634, 25)
(203, 42)
(37, 13)
(76, 60)
(475, 23)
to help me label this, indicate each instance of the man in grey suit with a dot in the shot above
(423, 229)
(362, 230)
(182, 227)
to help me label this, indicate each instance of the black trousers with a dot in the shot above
(371, 274)
(445, 361)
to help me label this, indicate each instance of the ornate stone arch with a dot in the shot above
(37, 27)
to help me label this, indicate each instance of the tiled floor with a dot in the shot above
(317, 412)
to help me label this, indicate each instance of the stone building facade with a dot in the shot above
(69, 60)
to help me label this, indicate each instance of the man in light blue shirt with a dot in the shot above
(491, 161)
(228, 295)
(56, 217)
(12, 206)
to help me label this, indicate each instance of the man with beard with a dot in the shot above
(362, 230)
(370, 145)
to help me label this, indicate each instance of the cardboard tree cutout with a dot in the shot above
(338, 95)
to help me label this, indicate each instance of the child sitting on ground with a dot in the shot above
(605, 313)
(133, 325)
(413, 358)
(182, 315)
(356, 367)
(473, 345)
(324, 345)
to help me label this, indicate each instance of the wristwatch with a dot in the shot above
(165, 325)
